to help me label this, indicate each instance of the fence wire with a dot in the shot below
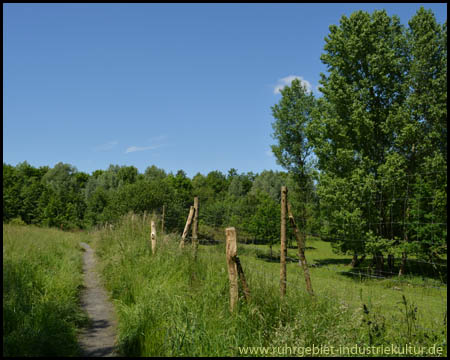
(400, 213)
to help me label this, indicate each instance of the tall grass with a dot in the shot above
(42, 277)
(170, 304)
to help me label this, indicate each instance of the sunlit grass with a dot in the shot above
(170, 304)
(42, 277)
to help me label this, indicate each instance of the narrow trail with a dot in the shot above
(99, 338)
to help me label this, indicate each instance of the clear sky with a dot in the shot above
(179, 86)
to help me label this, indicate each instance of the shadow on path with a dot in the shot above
(98, 339)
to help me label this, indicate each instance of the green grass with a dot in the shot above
(336, 278)
(170, 304)
(42, 277)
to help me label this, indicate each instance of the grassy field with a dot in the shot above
(42, 277)
(170, 304)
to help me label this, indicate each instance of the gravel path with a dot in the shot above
(99, 338)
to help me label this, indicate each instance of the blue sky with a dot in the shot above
(179, 86)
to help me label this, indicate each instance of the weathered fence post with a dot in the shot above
(195, 227)
(162, 218)
(231, 248)
(242, 278)
(301, 250)
(283, 249)
(153, 236)
(235, 268)
(186, 227)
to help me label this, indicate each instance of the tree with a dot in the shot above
(61, 178)
(11, 193)
(22, 189)
(379, 126)
(95, 205)
(64, 196)
(293, 115)
(154, 173)
(127, 175)
(427, 109)
(265, 222)
(217, 182)
(270, 182)
(239, 185)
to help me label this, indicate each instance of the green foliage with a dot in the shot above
(265, 222)
(154, 173)
(293, 114)
(378, 133)
(17, 221)
(65, 198)
(270, 182)
(22, 189)
(240, 185)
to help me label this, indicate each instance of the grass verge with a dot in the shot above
(42, 278)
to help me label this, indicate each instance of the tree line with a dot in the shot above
(64, 197)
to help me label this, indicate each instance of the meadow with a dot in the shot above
(171, 304)
(42, 279)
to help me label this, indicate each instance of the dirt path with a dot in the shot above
(99, 338)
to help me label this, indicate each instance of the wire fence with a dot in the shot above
(397, 212)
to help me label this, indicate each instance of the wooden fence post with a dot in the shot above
(301, 250)
(195, 226)
(186, 227)
(153, 236)
(232, 266)
(242, 278)
(162, 218)
(283, 249)
(403, 265)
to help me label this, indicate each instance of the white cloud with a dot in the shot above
(286, 81)
(141, 148)
(158, 138)
(155, 143)
(107, 146)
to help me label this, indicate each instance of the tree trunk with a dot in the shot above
(403, 265)
(188, 224)
(301, 250)
(380, 264)
(283, 249)
(195, 227)
(390, 261)
(242, 278)
(355, 261)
